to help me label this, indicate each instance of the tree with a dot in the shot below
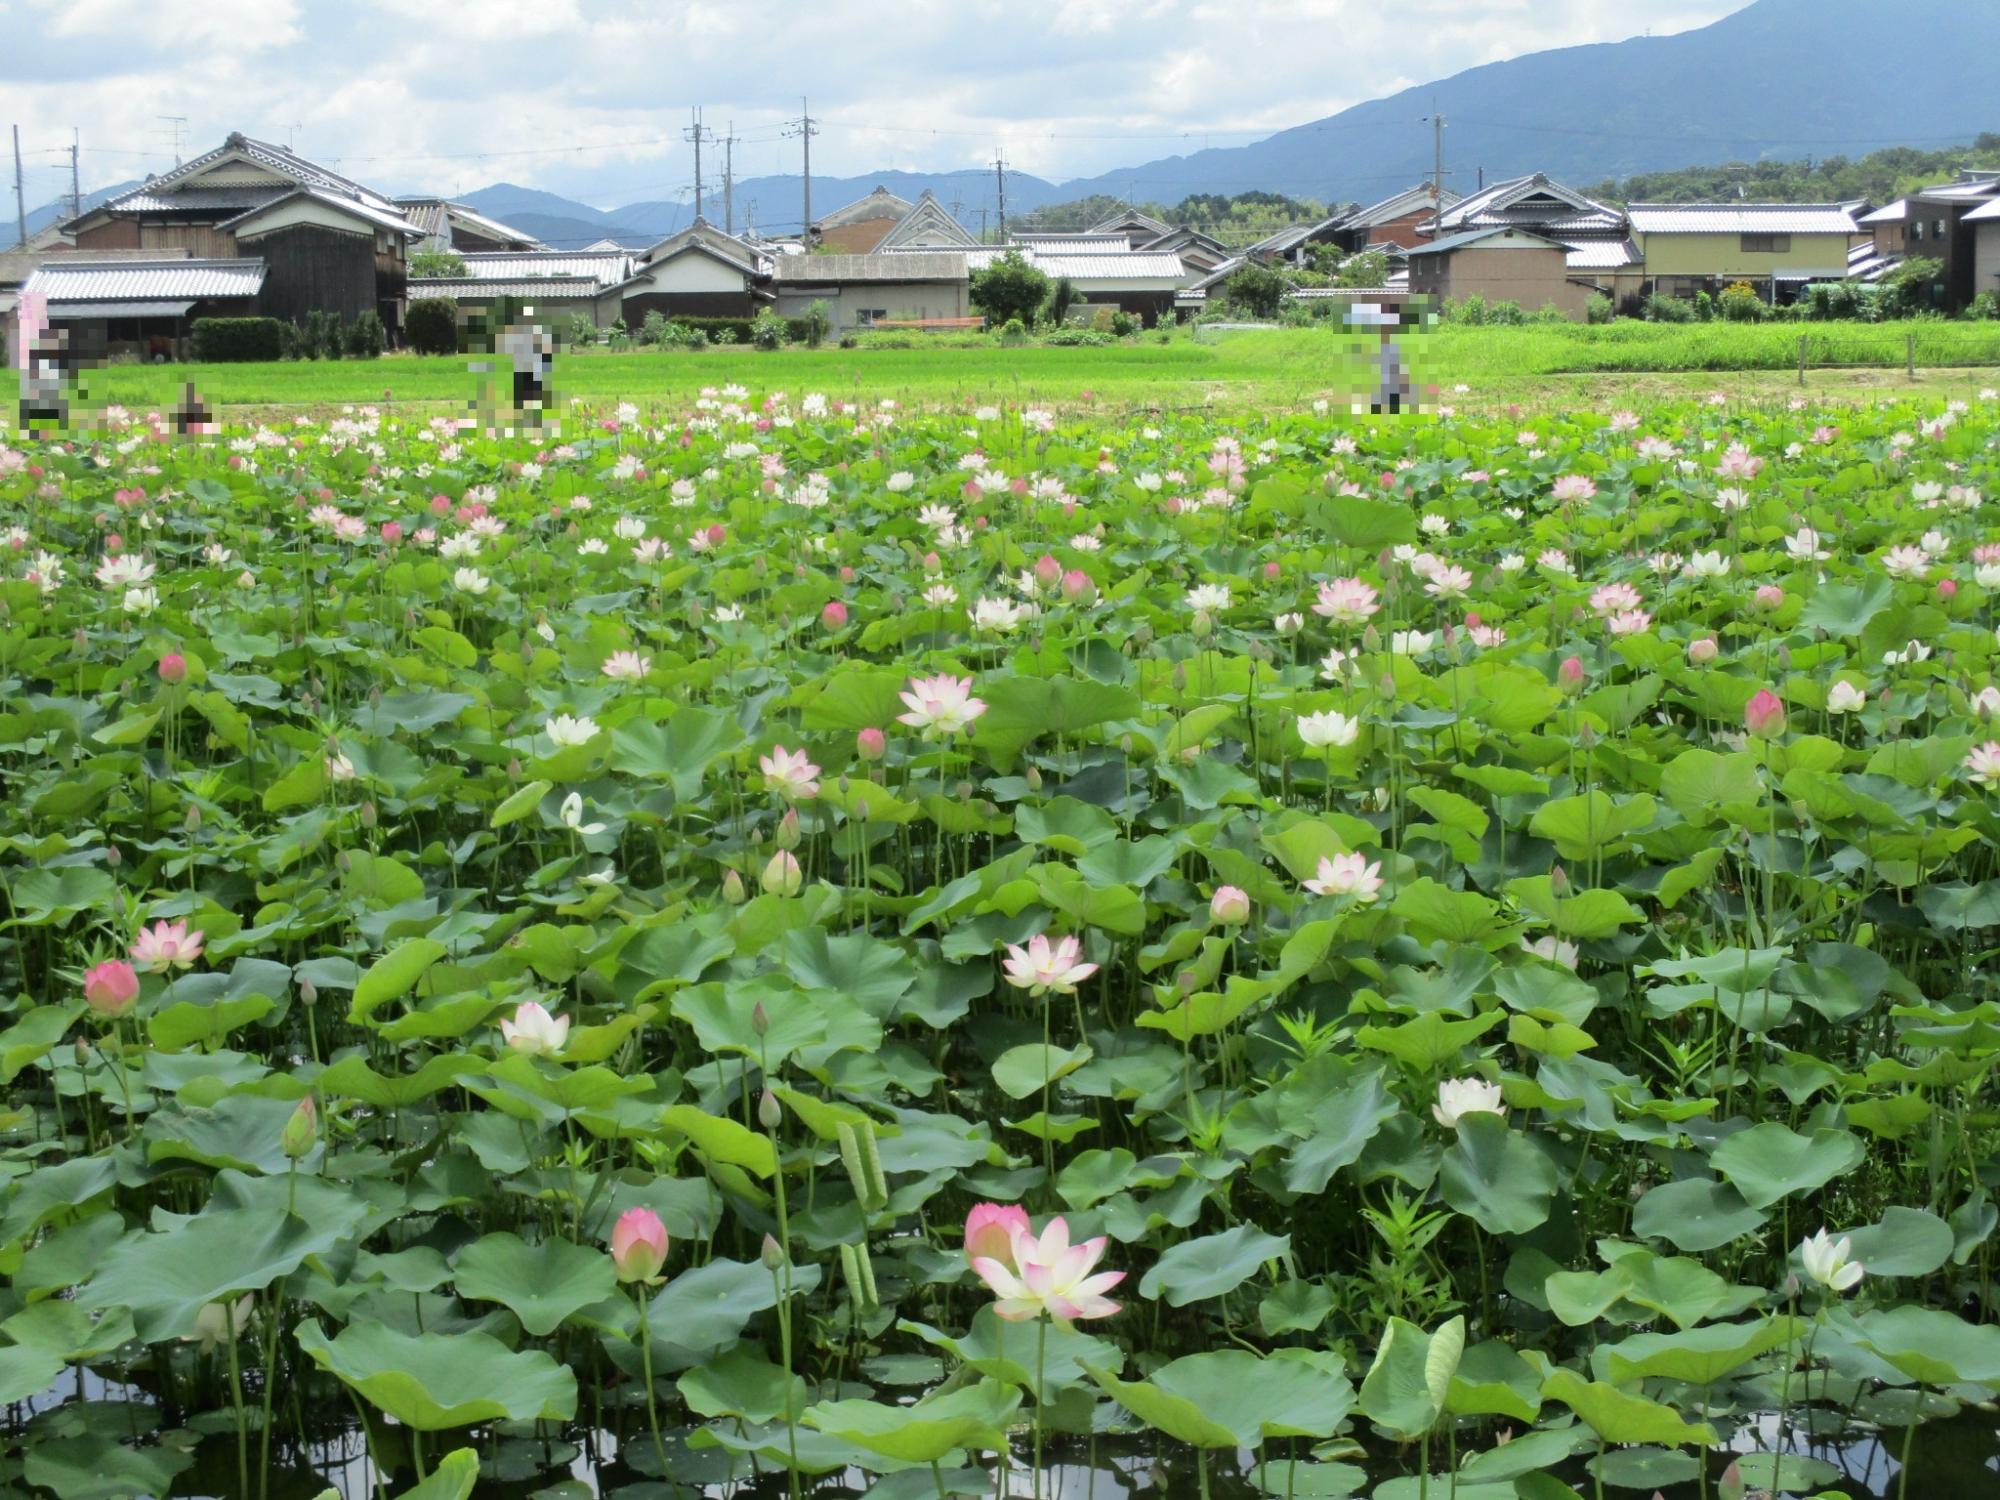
(1365, 268)
(1009, 288)
(433, 265)
(1060, 300)
(1258, 290)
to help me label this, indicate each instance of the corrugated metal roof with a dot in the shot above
(1740, 218)
(903, 265)
(606, 268)
(1604, 255)
(1888, 213)
(1453, 242)
(1133, 265)
(529, 288)
(78, 280)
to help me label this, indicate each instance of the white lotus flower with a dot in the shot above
(1458, 1097)
(566, 731)
(572, 816)
(1826, 1261)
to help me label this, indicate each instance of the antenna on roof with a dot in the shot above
(176, 127)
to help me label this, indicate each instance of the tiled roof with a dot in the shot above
(528, 288)
(880, 204)
(1740, 218)
(391, 219)
(1988, 214)
(606, 268)
(1514, 201)
(156, 193)
(904, 265)
(434, 218)
(1113, 243)
(1138, 265)
(75, 278)
(146, 199)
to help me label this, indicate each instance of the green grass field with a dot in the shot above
(1538, 365)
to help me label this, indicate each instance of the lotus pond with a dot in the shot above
(775, 946)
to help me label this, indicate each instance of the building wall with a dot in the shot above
(1533, 276)
(887, 299)
(313, 267)
(115, 234)
(1985, 257)
(1722, 256)
(1399, 231)
(690, 273)
(1888, 238)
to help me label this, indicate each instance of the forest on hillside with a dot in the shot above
(1880, 176)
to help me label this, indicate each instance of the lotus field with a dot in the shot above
(773, 945)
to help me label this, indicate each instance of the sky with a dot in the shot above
(592, 100)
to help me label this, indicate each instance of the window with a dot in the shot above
(1766, 244)
(1916, 229)
(866, 317)
(1937, 229)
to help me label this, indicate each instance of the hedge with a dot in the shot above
(796, 329)
(237, 340)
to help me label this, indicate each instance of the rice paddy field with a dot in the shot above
(777, 942)
(1543, 367)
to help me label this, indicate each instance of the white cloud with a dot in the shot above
(589, 97)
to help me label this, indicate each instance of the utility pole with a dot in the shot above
(75, 190)
(982, 226)
(1000, 176)
(805, 127)
(729, 180)
(20, 200)
(1437, 167)
(698, 133)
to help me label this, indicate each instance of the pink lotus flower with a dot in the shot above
(533, 1032)
(1050, 1277)
(834, 615)
(1982, 765)
(173, 668)
(627, 666)
(990, 1230)
(1738, 463)
(871, 743)
(789, 773)
(639, 1246)
(110, 988)
(1229, 905)
(1764, 715)
(1613, 597)
(940, 705)
(166, 946)
(1042, 967)
(1348, 875)
(1573, 487)
(1702, 651)
(1346, 601)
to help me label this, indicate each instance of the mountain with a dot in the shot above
(1779, 78)
(48, 213)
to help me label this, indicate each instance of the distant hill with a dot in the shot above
(1779, 79)
(40, 218)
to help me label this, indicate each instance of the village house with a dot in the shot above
(1935, 223)
(860, 226)
(1500, 263)
(1777, 248)
(445, 225)
(322, 242)
(1396, 222)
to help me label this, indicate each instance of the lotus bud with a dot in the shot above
(192, 822)
(173, 668)
(787, 834)
(111, 988)
(1371, 639)
(308, 993)
(782, 876)
(1947, 588)
(760, 1019)
(1034, 778)
(769, 1114)
(1768, 596)
(871, 743)
(301, 1130)
(1230, 906)
(732, 889)
(1703, 650)
(1570, 675)
(1559, 881)
(1385, 687)
(514, 769)
(772, 1254)
(638, 1246)
(1586, 735)
(369, 817)
(834, 615)
(112, 857)
(861, 809)
(1764, 715)
(1180, 677)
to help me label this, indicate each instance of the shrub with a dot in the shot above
(675, 334)
(1013, 334)
(1912, 287)
(1739, 303)
(365, 339)
(238, 340)
(1077, 338)
(1100, 320)
(816, 322)
(1008, 288)
(1664, 309)
(1598, 309)
(1505, 314)
(431, 326)
(1986, 306)
(1061, 299)
(1364, 268)
(1123, 324)
(1258, 290)
(581, 331)
(768, 331)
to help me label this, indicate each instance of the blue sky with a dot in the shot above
(590, 99)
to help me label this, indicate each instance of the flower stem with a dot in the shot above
(236, 1394)
(652, 1407)
(1041, 1397)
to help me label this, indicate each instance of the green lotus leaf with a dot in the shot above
(974, 1417)
(1212, 1265)
(434, 1381)
(541, 1284)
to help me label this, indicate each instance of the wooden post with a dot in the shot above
(1910, 356)
(1802, 359)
